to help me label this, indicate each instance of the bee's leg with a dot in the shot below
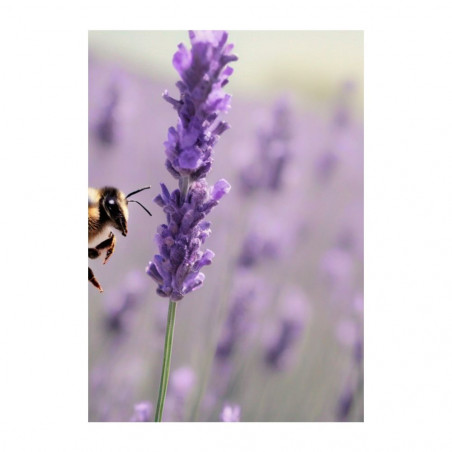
(109, 245)
(92, 279)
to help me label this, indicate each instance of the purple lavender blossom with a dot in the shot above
(177, 268)
(189, 158)
(204, 73)
(230, 413)
(142, 412)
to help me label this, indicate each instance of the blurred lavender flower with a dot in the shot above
(337, 269)
(293, 319)
(276, 356)
(328, 161)
(326, 165)
(230, 413)
(256, 248)
(237, 324)
(345, 403)
(347, 332)
(142, 412)
(189, 158)
(182, 381)
(349, 329)
(181, 384)
(266, 172)
(355, 341)
(122, 302)
(106, 128)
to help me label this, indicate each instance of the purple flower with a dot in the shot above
(176, 268)
(237, 323)
(345, 403)
(182, 382)
(337, 268)
(142, 412)
(276, 354)
(122, 302)
(230, 413)
(326, 165)
(292, 322)
(266, 171)
(106, 129)
(257, 248)
(204, 74)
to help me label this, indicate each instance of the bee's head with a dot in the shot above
(115, 205)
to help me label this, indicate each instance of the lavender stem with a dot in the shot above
(166, 360)
(184, 184)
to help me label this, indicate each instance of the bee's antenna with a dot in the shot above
(138, 191)
(132, 200)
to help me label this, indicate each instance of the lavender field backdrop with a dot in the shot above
(276, 331)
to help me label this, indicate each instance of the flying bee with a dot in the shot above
(107, 210)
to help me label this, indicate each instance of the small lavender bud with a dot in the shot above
(142, 412)
(220, 189)
(230, 413)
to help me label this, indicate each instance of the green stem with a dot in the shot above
(166, 360)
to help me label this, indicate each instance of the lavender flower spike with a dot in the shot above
(204, 74)
(189, 147)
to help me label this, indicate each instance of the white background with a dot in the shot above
(408, 224)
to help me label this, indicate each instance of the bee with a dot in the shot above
(107, 210)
